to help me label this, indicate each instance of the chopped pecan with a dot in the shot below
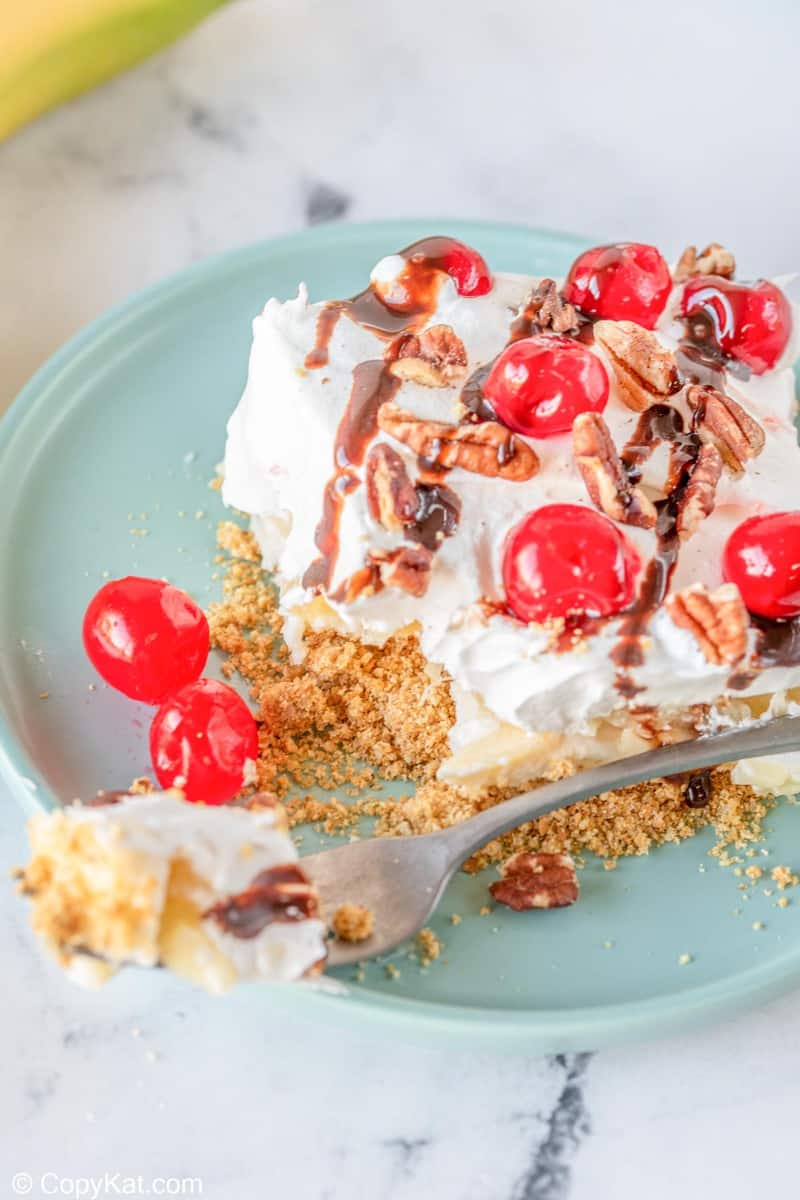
(699, 497)
(436, 357)
(391, 496)
(718, 620)
(721, 421)
(547, 309)
(487, 448)
(536, 881)
(407, 568)
(646, 373)
(281, 893)
(714, 260)
(607, 482)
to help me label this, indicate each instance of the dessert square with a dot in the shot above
(562, 494)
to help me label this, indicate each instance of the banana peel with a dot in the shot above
(52, 50)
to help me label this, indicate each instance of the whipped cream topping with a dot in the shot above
(227, 848)
(279, 458)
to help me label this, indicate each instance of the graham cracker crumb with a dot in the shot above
(428, 945)
(353, 923)
(684, 960)
(753, 872)
(784, 877)
(455, 918)
(391, 971)
(782, 902)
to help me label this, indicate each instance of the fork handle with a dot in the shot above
(777, 736)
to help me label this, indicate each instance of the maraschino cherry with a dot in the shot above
(201, 740)
(762, 557)
(145, 637)
(565, 560)
(751, 322)
(467, 269)
(628, 281)
(538, 385)
(400, 279)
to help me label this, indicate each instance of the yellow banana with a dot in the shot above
(51, 50)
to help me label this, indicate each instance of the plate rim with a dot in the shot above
(544, 1030)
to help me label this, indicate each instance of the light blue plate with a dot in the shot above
(104, 463)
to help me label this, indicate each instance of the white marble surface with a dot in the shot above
(572, 115)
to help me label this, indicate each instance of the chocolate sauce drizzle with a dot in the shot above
(701, 360)
(437, 516)
(420, 281)
(273, 895)
(700, 357)
(697, 792)
(372, 386)
(777, 642)
(660, 423)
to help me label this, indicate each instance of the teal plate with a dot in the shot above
(105, 460)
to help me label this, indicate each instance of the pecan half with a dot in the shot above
(547, 309)
(280, 894)
(645, 372)
(435, 358)
(718, 620)
(391, 496)
(721, 421)
(487, 448)
(713, 260)
(699, 497)
(536, 881)
(607, 482)
(407, 568)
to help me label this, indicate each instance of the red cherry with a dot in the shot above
(538, 385)
(563, 560)
(465, 266)
(468, 270)
(202, 740)
(145, 637)
(751, 322)
(624, 282)
(762, 557)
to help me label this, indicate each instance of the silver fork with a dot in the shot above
(402, 879)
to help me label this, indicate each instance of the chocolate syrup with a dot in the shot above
(437, 515)
(372, 386)
(698, 790)
(657, 424)
(420, 280)
(777, 642)
(272, 896)
(472, 397)
(700, 357)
